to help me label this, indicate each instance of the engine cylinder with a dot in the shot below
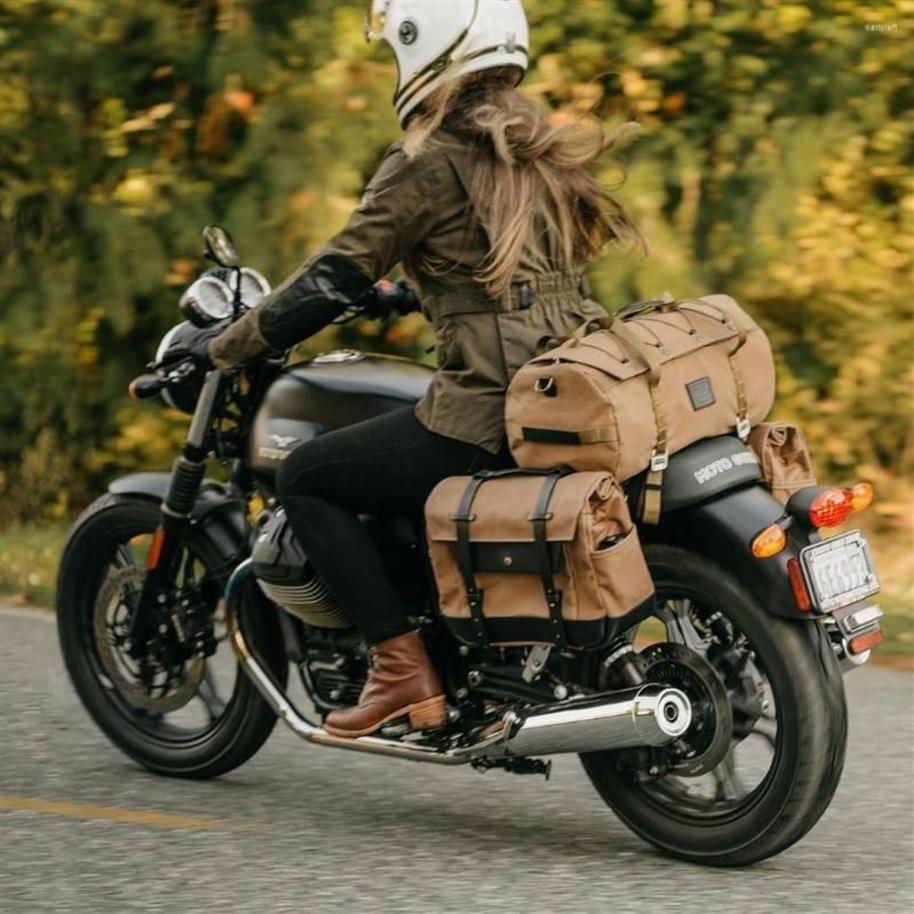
(288, 579)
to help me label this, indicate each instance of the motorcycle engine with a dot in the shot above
(288, 579)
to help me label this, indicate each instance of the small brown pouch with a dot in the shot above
(784, 458)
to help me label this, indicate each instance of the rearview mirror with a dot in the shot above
(219, 246)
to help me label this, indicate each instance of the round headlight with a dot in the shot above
(206, 301)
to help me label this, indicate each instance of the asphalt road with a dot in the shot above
(304, 829)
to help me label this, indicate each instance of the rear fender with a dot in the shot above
(219, 530)
(722, 530)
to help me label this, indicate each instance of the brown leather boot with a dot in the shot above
(401, 682)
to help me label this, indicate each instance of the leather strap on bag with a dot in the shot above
(553, 595)
(464, 557)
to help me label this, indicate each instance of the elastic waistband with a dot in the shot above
(521, 296)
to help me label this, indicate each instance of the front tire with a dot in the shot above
(806, 684)
(245, 721)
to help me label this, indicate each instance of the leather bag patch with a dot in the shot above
(701, 393)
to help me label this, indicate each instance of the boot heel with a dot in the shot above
(428, 714)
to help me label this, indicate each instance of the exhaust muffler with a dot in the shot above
(648, 715)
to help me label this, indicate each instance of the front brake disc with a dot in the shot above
(177, 685)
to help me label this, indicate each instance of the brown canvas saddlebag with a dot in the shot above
(526, 557)
(626, 391)
(784, 458)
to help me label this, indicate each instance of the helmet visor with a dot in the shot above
(375, 19)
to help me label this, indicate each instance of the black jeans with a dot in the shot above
(384, 466)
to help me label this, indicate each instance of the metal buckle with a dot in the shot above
(743, 427)
(525, 296)
(660, 461)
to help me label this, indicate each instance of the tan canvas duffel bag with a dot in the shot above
(783, 457)
(524, 557)
(626, 391)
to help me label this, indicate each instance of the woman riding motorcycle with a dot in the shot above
(493, 214)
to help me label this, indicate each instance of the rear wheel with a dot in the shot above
(763, 757)
(177, 712)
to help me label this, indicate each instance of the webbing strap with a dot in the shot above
(604, 434)
(539, 517)
(653, 486)
(742, 327)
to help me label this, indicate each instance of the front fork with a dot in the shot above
(177, 506)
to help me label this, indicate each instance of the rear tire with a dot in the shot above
(812, 730)
(247, 720)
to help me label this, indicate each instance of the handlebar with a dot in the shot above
(148, 385)
(145, 386)
(384, 299)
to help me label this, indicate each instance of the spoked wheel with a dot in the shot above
(763, 755)
(180, 705)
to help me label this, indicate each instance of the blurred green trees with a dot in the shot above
(776, 165)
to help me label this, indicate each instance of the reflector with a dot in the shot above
(799, 586)
(865, 642)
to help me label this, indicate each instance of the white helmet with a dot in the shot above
(436, 41)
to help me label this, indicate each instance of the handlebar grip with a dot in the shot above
(145, 386)
(395, 297)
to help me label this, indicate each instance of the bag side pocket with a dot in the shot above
(622, 576)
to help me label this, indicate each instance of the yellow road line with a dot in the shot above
(117, 814)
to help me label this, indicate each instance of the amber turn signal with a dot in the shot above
(769, 542)
(861, 496)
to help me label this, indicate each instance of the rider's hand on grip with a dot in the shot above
(388, 298)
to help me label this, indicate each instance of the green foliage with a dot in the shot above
(775, 165)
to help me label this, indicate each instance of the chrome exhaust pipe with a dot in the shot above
(648, 715)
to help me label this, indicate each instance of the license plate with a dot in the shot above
(839, 571)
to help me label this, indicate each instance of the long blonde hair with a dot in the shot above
(536, 174)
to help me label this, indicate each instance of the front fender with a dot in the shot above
(219, 529)
(722, 530)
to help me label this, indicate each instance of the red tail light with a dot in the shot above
(800, 593)
(831, 508)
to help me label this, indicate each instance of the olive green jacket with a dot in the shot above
(417, 212)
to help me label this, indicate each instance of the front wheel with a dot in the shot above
(762, 759)
(177, 712)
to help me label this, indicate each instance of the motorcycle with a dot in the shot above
(713, 723)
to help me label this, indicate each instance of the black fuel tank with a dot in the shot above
(330, 391)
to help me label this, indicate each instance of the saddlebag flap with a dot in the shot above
(626, 391)
(784, 458)
(526, 557)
